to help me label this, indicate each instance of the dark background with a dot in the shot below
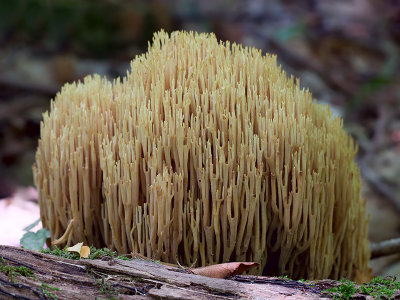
(346, 52)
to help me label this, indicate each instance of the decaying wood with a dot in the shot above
(133, 279)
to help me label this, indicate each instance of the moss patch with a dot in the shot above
(378, 288)
(13, 271)
(46, 289)
(94, 253)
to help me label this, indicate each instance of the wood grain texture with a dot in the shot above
(133, 279)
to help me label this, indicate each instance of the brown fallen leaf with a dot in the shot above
(224, 270)
(83, 251)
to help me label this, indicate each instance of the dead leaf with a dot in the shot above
(76, 248)
(83, 251)
(224, 270)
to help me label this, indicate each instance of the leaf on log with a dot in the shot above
(79, 248)
(224, 270)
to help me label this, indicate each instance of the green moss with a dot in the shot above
(13, 271)
(101, 253)
(46, 289)
(61, 253)
(378, 288)
(381, 287)
(123, 257)
(94, 253)
(345, 290)
(106, 288)
(101, 281)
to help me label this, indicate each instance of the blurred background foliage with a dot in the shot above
(346, 52)
(89, 28)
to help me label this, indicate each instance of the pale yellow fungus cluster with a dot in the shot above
(204, 153)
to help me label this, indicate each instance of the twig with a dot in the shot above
(347, 88)
(385, 248)
(374, 180)
(28, 88)
(10, 110)
(384, 118)
(381, 187)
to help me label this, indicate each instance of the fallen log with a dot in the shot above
(53, 277)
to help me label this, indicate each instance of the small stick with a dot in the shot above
(379, 186)
(385, 248)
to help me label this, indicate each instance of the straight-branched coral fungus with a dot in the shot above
(205, 152)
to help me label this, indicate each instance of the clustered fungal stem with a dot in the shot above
(205, 152)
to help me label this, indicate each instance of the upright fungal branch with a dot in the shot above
(206, 152)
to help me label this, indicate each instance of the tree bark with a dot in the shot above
(132, 279)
